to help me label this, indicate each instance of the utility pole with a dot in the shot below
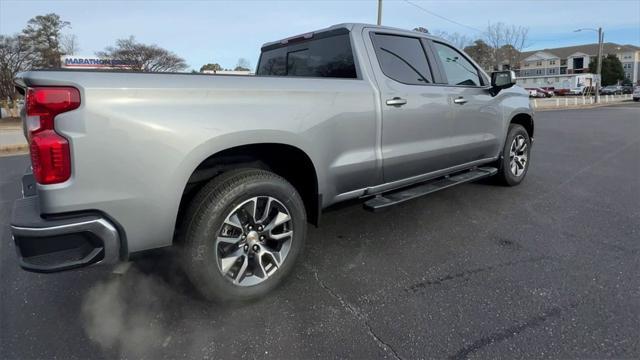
(379, 12)
(599, 70)
(599, 66)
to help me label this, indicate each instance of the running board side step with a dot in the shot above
(395, 197)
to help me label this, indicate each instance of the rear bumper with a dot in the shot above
(60, 243)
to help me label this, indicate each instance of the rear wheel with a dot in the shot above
(243, 233)
(514, 162)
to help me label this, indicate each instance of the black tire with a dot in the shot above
(505, 175)
(204, 219)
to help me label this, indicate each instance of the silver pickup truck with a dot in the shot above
(230, 169)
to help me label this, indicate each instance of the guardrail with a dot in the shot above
(577, 101)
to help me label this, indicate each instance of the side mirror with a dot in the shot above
(502, 80)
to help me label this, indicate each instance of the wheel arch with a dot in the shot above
(286, 160)
(526, 120)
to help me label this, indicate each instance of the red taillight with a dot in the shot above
(50, 156)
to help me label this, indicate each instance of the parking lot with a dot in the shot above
(548, 269)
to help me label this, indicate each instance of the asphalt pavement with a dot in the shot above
(548, 269)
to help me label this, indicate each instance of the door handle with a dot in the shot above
(396, 101)
(460, 101)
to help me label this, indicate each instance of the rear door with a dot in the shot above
(416, 114)
(476, 124)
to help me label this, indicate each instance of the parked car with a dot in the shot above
(627, 89)
(230, 169)
(575, 91)
(548, 88)
(539, 93)
(636, 93)
(532, 92)
(561, 92)
(545, 93)
(612, 90)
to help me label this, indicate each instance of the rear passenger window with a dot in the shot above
(325, 57)
(402, 58)
(458, 69)
(273, 62)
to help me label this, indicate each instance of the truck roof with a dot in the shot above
(336, 29)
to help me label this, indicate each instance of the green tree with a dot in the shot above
(43, 34)
(211, 67)
(612, 70)
(482, 53)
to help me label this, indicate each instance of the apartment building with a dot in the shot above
(575, 60)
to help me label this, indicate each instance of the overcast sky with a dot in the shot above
(223, 31)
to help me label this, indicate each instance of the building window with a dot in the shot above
(538, 72)
(552, 62)
(538, 63)
(552, 71)
(563, 62)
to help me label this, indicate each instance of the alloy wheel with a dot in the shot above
(254, 240)
(518, 155)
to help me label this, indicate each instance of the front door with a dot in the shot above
(476, 126)
(416, 114)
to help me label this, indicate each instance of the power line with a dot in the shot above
(441, 17)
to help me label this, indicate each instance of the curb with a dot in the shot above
(14, 149)
(540, 109)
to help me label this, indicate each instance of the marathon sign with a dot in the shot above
(78, 62)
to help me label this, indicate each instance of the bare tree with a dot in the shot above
(457, 39)
(507, 42)
(142, 57)
(69, 44)
(16, 54)
(243, 65)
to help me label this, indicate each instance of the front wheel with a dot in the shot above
(516, 155)
(243, 233)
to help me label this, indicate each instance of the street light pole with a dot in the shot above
(379, 12)
(599, 69)
(599, 66)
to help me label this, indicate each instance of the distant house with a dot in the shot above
(570, 60)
